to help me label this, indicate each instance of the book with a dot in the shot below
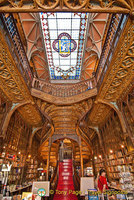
(27, 196)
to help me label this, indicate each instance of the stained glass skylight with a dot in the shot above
(64, 38)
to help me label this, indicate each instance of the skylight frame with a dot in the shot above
(75, 57)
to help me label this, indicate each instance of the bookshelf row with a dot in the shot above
(120, 168)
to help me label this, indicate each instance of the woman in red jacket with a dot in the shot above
(102, 181)
(102, 184)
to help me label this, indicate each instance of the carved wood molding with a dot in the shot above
(65, 118)
(119, 76)
(111, 6)
(64, 100)
(99, 113)
(120, 73)
(13, 85)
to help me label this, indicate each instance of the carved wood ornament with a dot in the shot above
(111, 6)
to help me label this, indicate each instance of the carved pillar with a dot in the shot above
(81, 161)
(48, 158)
(129, 132)
(73, 152)
(31, 138)
(103, 152)
(103, 149)
(93, 164)
(130, 109)
(81, 157)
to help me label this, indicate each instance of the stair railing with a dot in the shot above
(54, 181)
(76, 179)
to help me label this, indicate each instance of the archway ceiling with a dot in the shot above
(37, 54)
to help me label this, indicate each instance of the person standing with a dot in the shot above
(102, 181)
(103, 185)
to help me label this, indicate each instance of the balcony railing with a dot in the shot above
(64, 90)
(113, 35)
(16, 47)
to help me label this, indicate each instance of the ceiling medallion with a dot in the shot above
(64, 45)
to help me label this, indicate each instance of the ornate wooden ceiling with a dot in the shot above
(118, 6)
(65, 118)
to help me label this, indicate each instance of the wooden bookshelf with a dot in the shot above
(31, 170)
(121, 169)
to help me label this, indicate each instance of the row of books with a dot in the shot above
(30, 176)
(119, 161)
(121, 168)
(114, 175)
(126, 181)
(118, 154)
(129, 158)
(15, 170)
(18, 164)
(32, 170)
(32, 166)
(14, 177)
(33, 162)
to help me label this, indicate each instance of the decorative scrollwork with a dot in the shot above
(121, 72)
(75, 4)
(13, 86)
(124, 6)
(45, 4)
(123, 3)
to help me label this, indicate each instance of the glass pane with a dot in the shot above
(64, 38)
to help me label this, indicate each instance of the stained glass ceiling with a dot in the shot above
(64, 39)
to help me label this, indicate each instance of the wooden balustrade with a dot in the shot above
(16, 47)
(114, 31)
(64, 90)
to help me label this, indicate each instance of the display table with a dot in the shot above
(26, 188)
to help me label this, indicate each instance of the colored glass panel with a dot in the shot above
(64, 38)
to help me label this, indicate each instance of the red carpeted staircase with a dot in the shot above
(65, 188)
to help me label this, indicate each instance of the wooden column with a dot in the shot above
(48, 158)
(73, 157)
(94, 171)
(130, 109)
(129, 133)
(103, 149)
(81, 161)
(81, 157)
